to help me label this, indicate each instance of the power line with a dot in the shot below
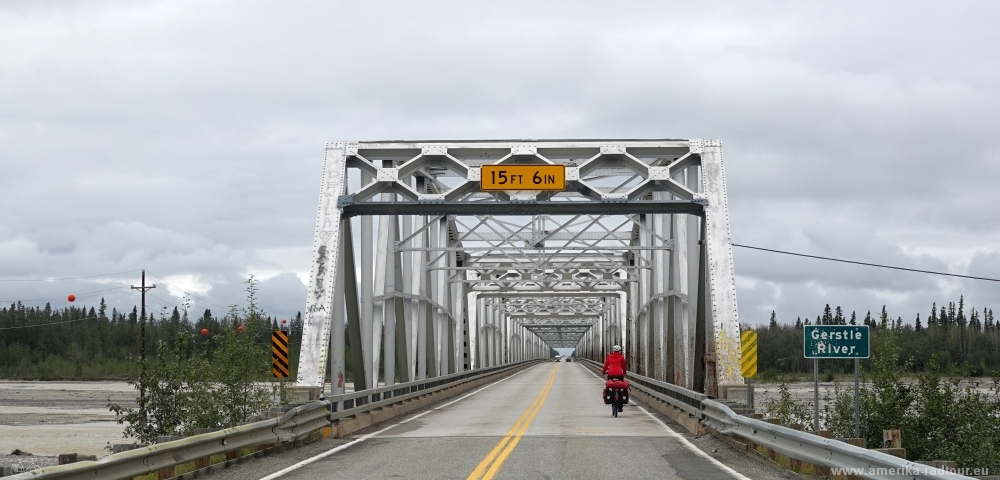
(185, 292)
(84, 294)
(166, 304)
(868, 264)
(60, 279)
(47, 324)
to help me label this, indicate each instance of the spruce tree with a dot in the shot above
(883, 323)
(963, 336)
(960, 319)
(827, 316)
(917, 326)
(798, 323)
(773, 324)
(854, 318)
(994, 333)
(838, 317)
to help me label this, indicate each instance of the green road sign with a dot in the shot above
(836, 341)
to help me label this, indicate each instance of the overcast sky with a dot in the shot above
(186, 137)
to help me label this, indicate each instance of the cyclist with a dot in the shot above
(614, 368)
(614, 364)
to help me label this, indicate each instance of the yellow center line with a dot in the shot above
(491, 464)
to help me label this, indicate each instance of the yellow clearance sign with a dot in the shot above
(522, 177)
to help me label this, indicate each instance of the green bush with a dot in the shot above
(786, 408)
(768, 376)
(954, 421)
(224, 382)
(938, 418)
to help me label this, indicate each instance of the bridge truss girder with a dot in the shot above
(430, 275)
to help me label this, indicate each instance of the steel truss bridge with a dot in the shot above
(425, 274)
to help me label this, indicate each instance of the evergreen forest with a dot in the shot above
(93, 343)
(962, 341)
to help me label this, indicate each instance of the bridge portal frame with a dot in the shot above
(407, 305)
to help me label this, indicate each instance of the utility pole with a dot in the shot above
(142, 349)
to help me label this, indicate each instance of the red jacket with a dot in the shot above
(614, 365)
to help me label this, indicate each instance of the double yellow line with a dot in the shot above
(491, 464)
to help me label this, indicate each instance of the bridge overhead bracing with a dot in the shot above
(432, 275)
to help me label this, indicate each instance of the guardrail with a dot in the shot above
(296, 424)
(813, 448)
(684, 399)
(800, 445)
(291, 426)
(350, 403)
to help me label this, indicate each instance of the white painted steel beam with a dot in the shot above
(635, 252)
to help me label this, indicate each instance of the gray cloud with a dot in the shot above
(187, 137)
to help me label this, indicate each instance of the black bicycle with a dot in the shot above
(616, 394)
(618, 399)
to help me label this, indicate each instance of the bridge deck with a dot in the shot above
(571, 435)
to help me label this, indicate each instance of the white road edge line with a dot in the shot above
(282, 472)
(695, 449)
(687, 443)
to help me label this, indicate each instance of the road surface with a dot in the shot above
(547, 422)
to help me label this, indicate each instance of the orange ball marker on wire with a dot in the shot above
(204, 331)
(71, 298)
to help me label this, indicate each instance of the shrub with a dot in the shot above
(224, 382)
(786, 408)
(769, 375)
(938, 418)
